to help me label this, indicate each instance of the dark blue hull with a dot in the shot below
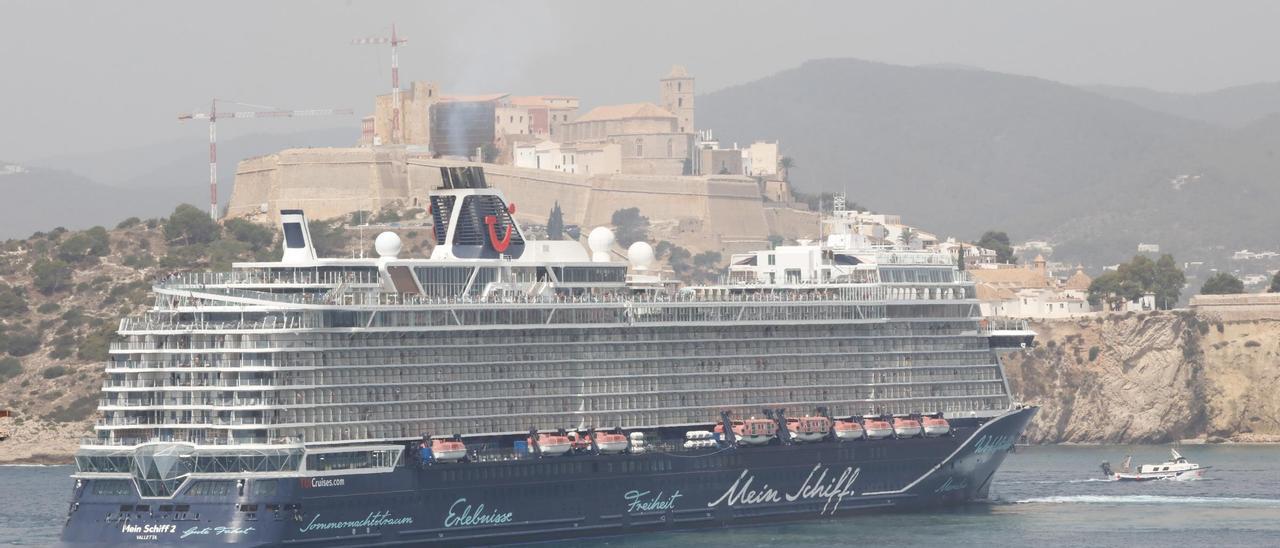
(563, 497)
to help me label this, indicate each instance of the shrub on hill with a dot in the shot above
(189, 225)
(10, 368)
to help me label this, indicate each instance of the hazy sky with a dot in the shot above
(79, 76)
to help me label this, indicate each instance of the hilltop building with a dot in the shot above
(1031, 291)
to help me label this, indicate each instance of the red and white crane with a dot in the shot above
(397, 135)
(213, 116)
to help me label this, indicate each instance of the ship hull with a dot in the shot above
(467, 504)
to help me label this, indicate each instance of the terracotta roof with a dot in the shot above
(533, 100)
(488, 97)
(621, 112)
(988, 292)
(1078, 281)
(1011, 277)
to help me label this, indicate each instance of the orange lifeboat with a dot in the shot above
(877, 429)
(906, 427)
(448, 450)
(936, 426)
(755, 431)
(611, 443)
(849, 430)
(553, 445)
(809, 429)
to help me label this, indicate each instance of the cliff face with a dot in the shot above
(1151, 378)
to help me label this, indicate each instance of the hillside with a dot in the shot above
(79, 191)
(1151, 378)
(40, 198)
(63, 293)
(962, 151)
(1231, 107)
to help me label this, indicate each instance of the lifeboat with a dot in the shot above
(849, 430)
(809, 429)
(611, 443)
(755, 431)
(906, 428)
(553, 445)
(877, 429)
(448, 450)
(935, 426)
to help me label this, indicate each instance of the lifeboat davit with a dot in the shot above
(877, 429)
(906, 428)
(755, 431)
(448, 450)
(553, 445)
(936, 426)
(849, 430)
(809, 429)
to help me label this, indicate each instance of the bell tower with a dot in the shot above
(676, 90)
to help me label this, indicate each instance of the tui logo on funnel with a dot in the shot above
(499, 245)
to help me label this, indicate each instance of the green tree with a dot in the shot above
(10, 368)
(1275, 283)
(256, 236)
(998, 241)
(1222, 283)
(1169, 282)
(489, 153)
(189, 225)
(906, 236)
(328, 237)
(555, 223)
(785, 165)
(1131, 280)
(49, 277)
(21, 343)
(630, 226)
(12, 302)
(86, 246)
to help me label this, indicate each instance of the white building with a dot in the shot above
(760, 159)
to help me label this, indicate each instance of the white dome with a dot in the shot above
(600, 241)
(387, 245)
(640, 254)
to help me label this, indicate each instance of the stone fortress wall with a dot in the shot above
(727, 211)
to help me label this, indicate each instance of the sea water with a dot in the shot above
(1042, 496)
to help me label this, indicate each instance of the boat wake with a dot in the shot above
(1151, 499)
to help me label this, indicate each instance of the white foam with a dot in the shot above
(1149, 499)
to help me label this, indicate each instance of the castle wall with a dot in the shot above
(328, 183)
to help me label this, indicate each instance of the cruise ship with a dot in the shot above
(506, 390)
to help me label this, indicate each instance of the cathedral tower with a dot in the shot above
(677, 97)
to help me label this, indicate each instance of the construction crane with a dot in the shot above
(213, 116)
(397, 134)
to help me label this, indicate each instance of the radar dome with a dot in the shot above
(600, 241)
(640, 254)
(387, 245)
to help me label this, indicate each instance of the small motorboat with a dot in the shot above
(1176, 469)
(935, 426)
(809, 429)
(849, 430)
(877, 429)
(906, 427)
(448, 450)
